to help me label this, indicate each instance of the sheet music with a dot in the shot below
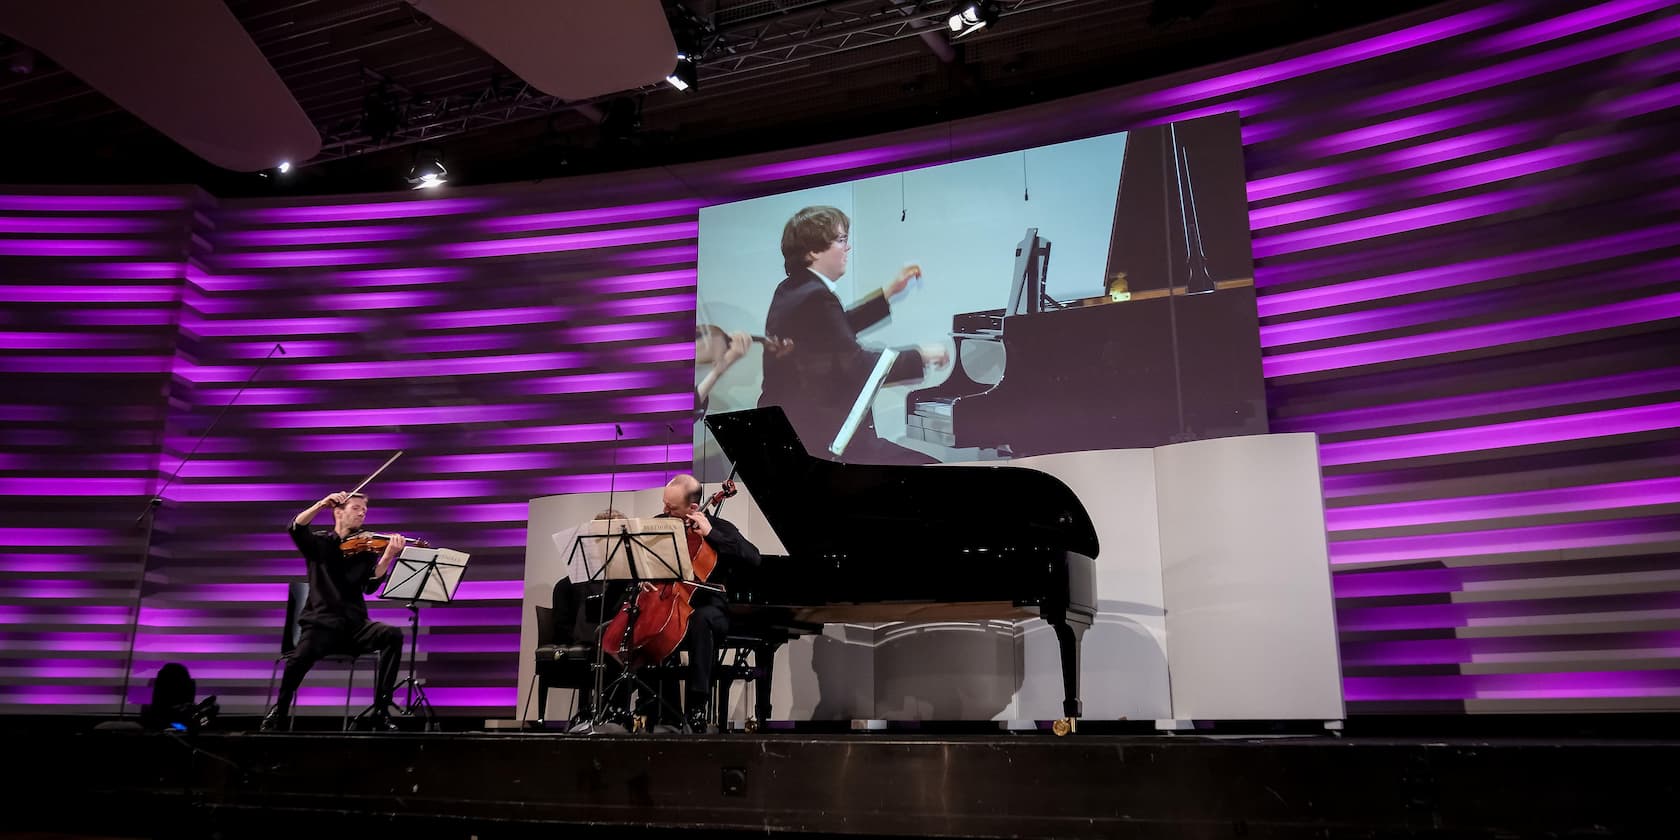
(657, 550)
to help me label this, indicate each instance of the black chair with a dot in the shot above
(297, 593)
(565, 653)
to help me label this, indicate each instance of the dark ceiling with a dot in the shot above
(382, 82)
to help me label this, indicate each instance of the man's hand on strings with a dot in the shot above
(394, 547)
(698, 522)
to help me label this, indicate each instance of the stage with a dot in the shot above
(894, 783)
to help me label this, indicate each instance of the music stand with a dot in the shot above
(422, 576)
(637, 551)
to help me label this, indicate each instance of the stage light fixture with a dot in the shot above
(686, 74)
(284, 167)
(968, 18)
(428, 172)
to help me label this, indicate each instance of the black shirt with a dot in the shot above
(336, 580)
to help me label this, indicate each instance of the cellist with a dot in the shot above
(710, 621)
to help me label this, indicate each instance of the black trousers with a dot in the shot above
(318, 641)
(706, 629)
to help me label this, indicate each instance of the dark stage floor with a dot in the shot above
(519, 784)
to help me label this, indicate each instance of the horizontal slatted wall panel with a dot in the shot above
(1465, 245)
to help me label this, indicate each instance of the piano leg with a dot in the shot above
(1068, 633)
(765, 660)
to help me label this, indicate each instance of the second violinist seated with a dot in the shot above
(335, 616)
(710, 621)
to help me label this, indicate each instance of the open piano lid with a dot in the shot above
(828, 509)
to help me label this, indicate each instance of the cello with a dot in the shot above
(651, 626)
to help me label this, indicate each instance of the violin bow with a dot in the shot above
(376, 473)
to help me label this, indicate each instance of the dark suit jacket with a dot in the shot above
(817, 382)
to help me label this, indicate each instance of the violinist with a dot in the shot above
(335, 617)
(710, 621)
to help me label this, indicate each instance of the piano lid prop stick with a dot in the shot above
(861, 406)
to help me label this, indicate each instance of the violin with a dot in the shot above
(369, 541)
(772, 345)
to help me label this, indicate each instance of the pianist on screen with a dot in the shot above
(818, 381)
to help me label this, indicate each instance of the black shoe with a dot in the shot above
(275, 721)
(700, 723)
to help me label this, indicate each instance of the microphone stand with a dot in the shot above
(612, 485)
(148, 518)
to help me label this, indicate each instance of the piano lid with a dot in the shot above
(900, 513)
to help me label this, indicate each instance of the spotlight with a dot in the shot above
(427, 173)
(284, 167)
(968, 18)
(686, 74)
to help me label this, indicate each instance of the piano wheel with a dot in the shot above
(1064, 726)
(639, 723)
(751, 725)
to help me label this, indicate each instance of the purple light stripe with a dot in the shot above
(309, 349)
(606, 333)
(170, 643)
(1387, 584)
(119, 317)
(398, 276)
(649, 282)
(1654, 684)
(1625, 313)
(235, 493)
(363, 212)
(89, 670)
(91, 203)
(1642, 102)
(1407, 128)
(592, 383)
(53, 614)
(1639, 383)
(1583, 252)
(319, 236)
(378, 300)
(1593, 424)
(655, 403)
(642, 257)
(305, 259)
(74, 487)
(1630, 533)
(77, 341)
(679, 304)
(1566, 25)
(83, 247)
(568, 241)
(596, 216)
(465, 697)
(841, 162)
(1408, 220)
(1435, 183)
(655, 353)
(276, 327)
(470, 643)
(1333, 58)
(167, 270)
(79, 642)
(1621, 494)
(46, 224)
(406, 369)
(51, 563)
(414, 416)
(30, 414)
(496, 317)
(1397, 160)
(474, 344)
(89, 294)
(1520, 69)
(217, 397)
(1431, 311)
(499, 461)
(85, 364)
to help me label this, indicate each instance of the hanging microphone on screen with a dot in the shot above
(281, 349)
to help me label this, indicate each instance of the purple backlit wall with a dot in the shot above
(1466, 250)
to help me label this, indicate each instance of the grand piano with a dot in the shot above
(877, 543)
(1169, 351)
